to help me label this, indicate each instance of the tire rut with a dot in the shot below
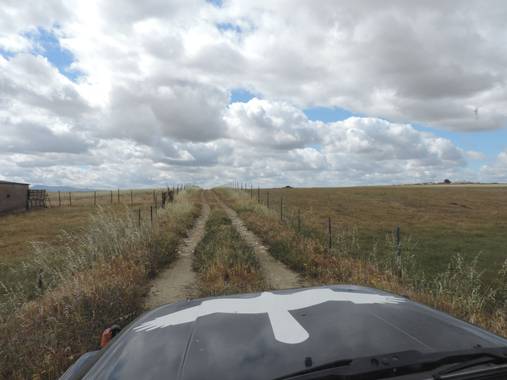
(179, 281)
(277, 275)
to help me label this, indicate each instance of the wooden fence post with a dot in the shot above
(330, 234)
(139, 217)
(258, 194)
(131, 199)
(151, 215)
(94, 199)
(281, 209)
(111, 196)
(59, 200)
(70, 199)
(267, 199)
(398, 250)
(299, 220)
(251, 191)
(118, 195)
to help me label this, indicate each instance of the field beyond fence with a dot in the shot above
(435, 223)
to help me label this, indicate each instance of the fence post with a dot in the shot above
(139, 217)
(151, 215)
(59, 200)
(258, 194)
(40, 280)
(330, 233)
(267, 199)
(251, 191)
(111, 196)
(154, 199)
(398, 250)
(70, 199)
(118, 195)
(94, 199)
(281, 209)
(299, 220)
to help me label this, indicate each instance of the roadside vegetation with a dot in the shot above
(224, 262)
(23, 237)
(458, 288)
(89, 279)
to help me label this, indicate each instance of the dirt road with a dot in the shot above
(277, 275)
(178, 282)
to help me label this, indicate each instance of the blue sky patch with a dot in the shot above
(227, 26)
(490, 143)
(6, 53)
(241, 95)
(216, 3)
(47, 45)
(328, 115)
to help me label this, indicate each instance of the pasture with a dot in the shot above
(436, 222)
(68, 214)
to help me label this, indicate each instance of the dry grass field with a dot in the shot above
(86, 279)
(21, 234)
(436, 222)
(18, 231)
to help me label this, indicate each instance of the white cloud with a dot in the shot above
(495, 171)
(273, 124)
(152, 106)
(474, 155)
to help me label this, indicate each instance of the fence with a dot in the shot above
(37, 198)
(328, 231)
(132, 198)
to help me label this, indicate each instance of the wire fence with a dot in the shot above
(132, 198)
(336, 238)
(143, 204)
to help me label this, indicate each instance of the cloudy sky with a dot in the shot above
(101, 93)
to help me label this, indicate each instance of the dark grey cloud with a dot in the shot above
(34, 138)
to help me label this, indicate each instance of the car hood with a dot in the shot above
(270, 334)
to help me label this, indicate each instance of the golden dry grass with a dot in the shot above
(99, 279)
(22, 233)
(17, 231)
(440, 221)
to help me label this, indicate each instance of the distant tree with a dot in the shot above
(447, 181)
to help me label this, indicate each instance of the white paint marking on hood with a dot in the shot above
(286, 328)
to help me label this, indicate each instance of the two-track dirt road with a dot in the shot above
(179, 281)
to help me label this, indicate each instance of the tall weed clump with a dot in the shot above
(459, 289)
(91, 280)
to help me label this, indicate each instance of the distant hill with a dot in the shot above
(60, 188)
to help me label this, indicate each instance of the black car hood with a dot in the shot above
(270, 334)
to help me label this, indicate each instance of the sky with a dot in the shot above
(150, 93)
